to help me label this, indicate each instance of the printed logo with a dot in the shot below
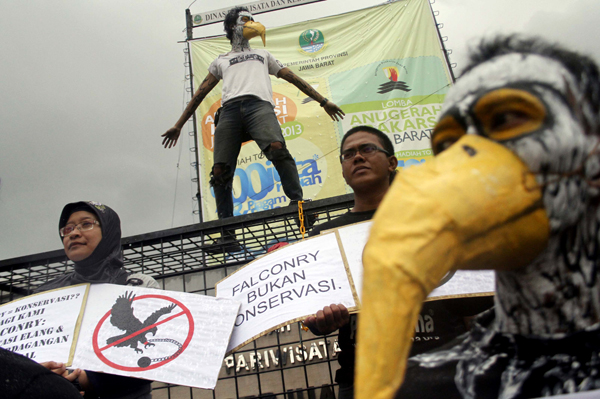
(247, 57)
(121, 338)
(312, 41)
(392, 74)
(197, 19)
(97, 205)
(257, 184)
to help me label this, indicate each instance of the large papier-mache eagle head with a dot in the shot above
(514, 187)
(239, 26)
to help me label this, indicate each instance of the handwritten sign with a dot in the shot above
(165, 336)
(287, 285)
(43, 327)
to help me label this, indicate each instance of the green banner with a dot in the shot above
(383, 66)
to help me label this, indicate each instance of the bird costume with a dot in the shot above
(514, 188)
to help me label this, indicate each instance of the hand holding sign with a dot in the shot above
(328, 320)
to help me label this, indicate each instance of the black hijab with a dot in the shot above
(105, 264)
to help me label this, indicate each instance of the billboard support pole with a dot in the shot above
(446, 52)
(189, 24)
(194, 132)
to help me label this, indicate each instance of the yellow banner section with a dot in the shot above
(383, 66)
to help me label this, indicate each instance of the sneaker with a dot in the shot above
(226, 243)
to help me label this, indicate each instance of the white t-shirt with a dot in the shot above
(246, 73)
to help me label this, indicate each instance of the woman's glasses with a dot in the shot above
(83, 226)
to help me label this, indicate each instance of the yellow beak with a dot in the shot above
(253, 29)
(475, 206)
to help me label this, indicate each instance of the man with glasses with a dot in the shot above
(369, 166)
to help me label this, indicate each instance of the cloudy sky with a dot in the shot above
(88, 87)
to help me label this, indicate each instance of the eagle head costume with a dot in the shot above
(240, 27)
(514, 187)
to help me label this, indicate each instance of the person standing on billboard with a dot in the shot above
(247, 109)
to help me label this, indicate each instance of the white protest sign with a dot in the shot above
(579, 395)
(43, 326)
(466, 283)
(461, 283)
(286, 285)
(165, 336)
(354, 238)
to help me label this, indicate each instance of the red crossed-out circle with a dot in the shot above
(185, 311)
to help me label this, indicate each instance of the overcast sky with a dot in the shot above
(88, 87)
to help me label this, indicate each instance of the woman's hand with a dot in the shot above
(60, 369)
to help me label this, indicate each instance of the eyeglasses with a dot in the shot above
(366, 150)
(86, 225)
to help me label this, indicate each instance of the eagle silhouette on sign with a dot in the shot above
(123, 318)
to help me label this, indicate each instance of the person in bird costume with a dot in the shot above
(247, 109)
(514, 187)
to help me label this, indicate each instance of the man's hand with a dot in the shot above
(334, 111)
(170, 137)
(331, 318)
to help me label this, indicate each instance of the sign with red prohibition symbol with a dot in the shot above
(132, 340)
(166, 336)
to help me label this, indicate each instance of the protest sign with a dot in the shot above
(579, 395)
(165, 336)
(287, 285)
(353, 239)
(464, 283)
(44, 326)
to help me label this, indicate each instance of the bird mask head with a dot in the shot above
(240, 27)
(540, 102)
(516, 164)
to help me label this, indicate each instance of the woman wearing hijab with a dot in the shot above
(91, 236)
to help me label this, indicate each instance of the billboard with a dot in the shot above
(384, 66)
(256, 7)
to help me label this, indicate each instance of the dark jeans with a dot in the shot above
(243, 119)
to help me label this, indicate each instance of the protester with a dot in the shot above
(247, 111)
(518, 143)
(369, 166)
(91, 235)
